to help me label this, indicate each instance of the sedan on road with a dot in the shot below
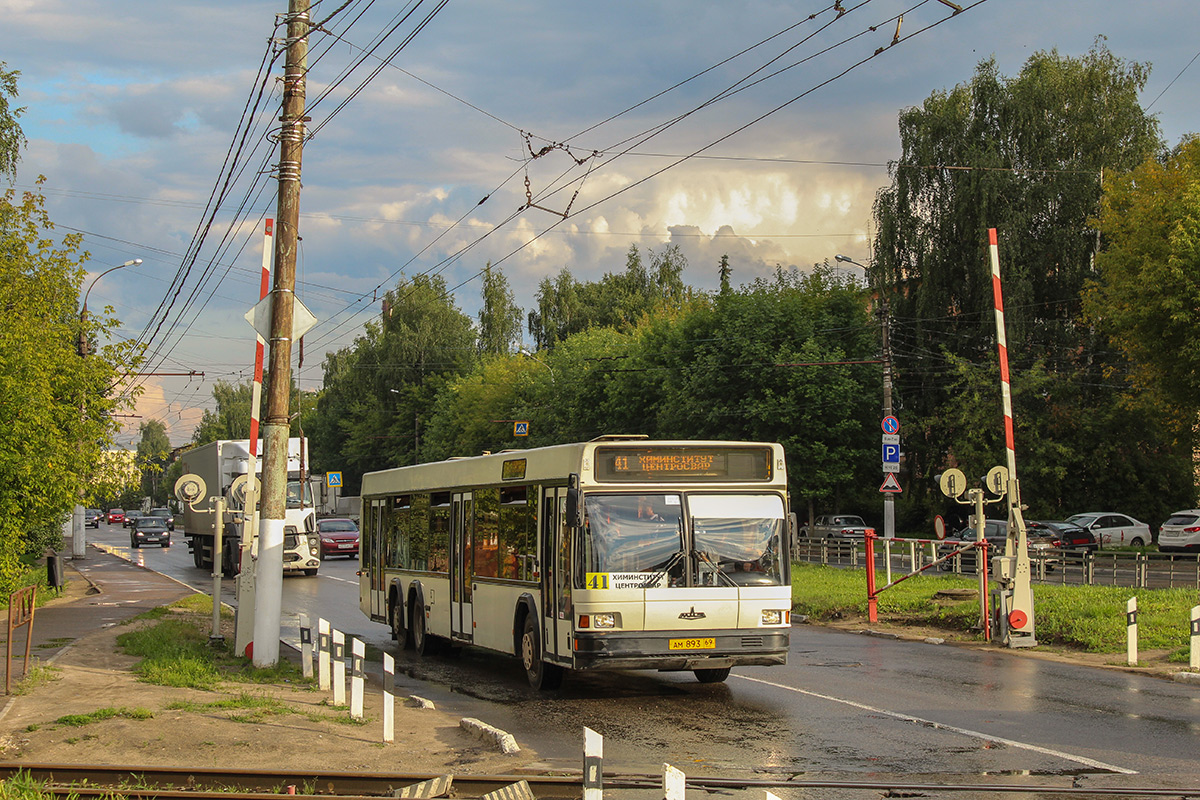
(150, 530)
(131, 517)
(166, 515)
(339, 537)
(1110, 528)
(116, 515)
(92, 517)
(838, 526)
(1064, 535)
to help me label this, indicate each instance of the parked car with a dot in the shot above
(1065, 535)
(995, 531)
(838, 526)
(149, 530)
(339, 537)
(1181, 532)
(92, 517)
(116, 515)
(130, 518)
(166, 515)
(1110, 528)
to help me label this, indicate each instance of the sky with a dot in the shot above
(760, 130)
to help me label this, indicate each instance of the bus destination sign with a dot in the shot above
(683, 463)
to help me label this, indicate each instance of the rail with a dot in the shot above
(88, 781)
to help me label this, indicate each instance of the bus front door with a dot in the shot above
(372, 520)
(375, 560)
(462, 572)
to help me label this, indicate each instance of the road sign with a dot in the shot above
(521, 428)
(891, 453)
(891, 438)
(890, 467)
(333, 479)
(890, 424)
(890, 484)
(259, 318)
(939, 526)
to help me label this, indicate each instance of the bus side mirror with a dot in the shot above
(574, 509)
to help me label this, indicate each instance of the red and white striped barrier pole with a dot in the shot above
(1020, 611)
(247, 551)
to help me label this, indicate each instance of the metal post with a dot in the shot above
(1131, 631)
(218, 567)
(1194, 658)
(389, 698)
(593, 765)
(872, 600)
(339, 668)
(269, 569)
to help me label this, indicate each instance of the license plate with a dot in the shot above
(346, 545)
(708, 643)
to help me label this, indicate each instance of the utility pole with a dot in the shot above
(269, 568)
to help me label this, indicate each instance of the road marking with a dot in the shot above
(942, 726)
(343, 580)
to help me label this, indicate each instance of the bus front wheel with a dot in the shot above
(711, 675)
(540, 674)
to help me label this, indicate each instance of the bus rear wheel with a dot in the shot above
(399, 632)
(540, 674)
(711, 675)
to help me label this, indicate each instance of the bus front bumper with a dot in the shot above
(680, 650)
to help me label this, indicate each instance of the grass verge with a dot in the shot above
(1087, 618)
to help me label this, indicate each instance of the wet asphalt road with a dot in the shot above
(845, 705)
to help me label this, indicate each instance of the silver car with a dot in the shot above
(1181, 532)
(1112, 529)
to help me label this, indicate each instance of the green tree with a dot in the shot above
(55, 407)
(12, 139)
(153, 453)
(1023, 155)
(1148, 287)
(231, 417)
(500, 316)
(380, 392)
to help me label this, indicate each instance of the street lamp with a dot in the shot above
(78, 542)
(889, 505)
(83, 342)
(525, 352)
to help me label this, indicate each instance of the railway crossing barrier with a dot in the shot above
(981, 561)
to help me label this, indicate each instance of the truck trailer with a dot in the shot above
(219, 463)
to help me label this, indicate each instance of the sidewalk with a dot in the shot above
(102, 590)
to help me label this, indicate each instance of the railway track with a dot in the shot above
(145, 782)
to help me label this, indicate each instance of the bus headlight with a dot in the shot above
(773, 616)
(594, 621)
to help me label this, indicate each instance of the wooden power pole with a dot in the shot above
(269, 568)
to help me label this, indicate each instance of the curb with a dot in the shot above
(1186, 677)
(504, 742)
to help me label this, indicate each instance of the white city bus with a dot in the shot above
(618, 553)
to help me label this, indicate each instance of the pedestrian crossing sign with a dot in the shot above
(333, 479)
(521, 428)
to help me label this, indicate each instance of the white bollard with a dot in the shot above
(339, 668)
(389, 698)
(1131, 654)
(358, 657)
(1194, 660)
(306, 647)
(674, 783)
(593, 765)
(323, 648)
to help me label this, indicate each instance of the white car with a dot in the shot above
(1114, 529)
(1181, 532)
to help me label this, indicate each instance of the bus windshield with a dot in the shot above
(730, 539)
(738, 538)
(631, 532)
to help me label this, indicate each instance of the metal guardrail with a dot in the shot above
(1128, 568)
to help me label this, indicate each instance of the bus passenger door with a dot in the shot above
(379, 561)
(462, 572)
(372, 519)
(556, 573)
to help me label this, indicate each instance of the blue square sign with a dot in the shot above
(891, 453)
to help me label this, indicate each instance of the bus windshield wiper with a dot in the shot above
(671, 562)
(703, 556)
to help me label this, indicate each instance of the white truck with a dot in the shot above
(219, 463)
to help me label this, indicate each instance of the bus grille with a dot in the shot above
(752, 641)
